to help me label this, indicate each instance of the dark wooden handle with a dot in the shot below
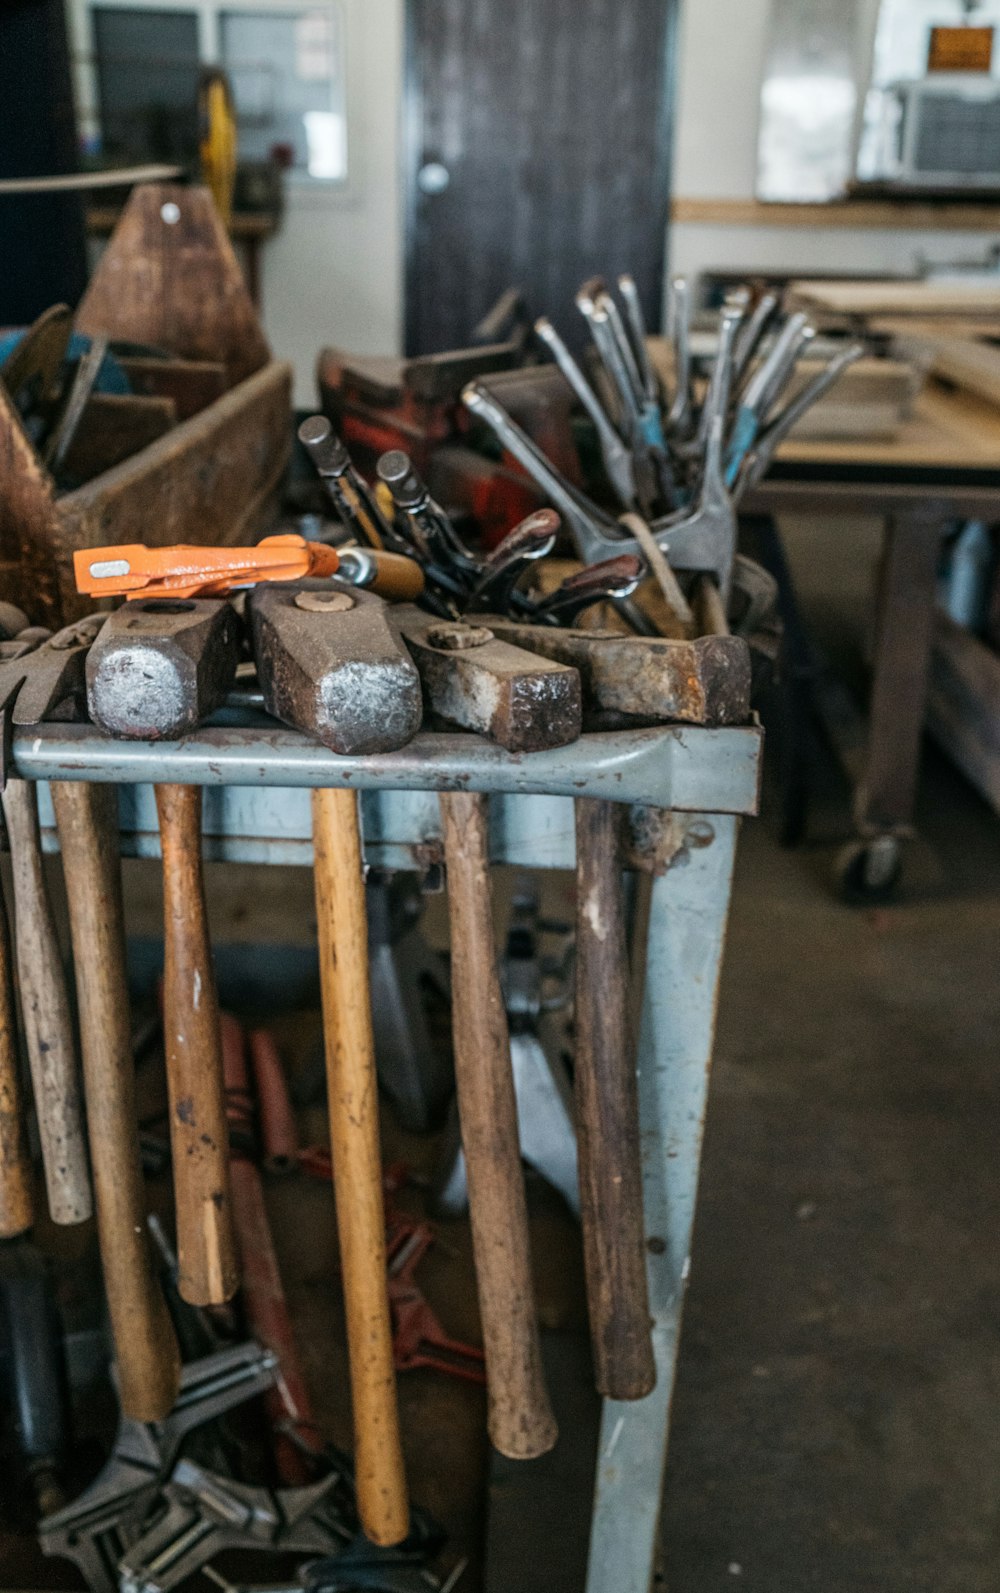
(352, 1091)
(206, 1245)
(145, 1346)
(607, 1116)
(45, 1012)
(16, 1204)
(521, 1424)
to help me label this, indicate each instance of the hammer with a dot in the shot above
(649, 680)
(159, 667)
(329, 664)
(524, 703)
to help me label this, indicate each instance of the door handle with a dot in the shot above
(433, 177)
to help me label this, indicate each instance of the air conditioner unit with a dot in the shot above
(942, 132)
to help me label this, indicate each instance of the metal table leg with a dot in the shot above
(687, 922)
(885, 796)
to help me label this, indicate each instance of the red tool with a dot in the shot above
(418, 1339)
(288, 1405)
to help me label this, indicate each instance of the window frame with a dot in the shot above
(301, 187)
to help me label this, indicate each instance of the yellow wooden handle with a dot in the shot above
(352, 1091)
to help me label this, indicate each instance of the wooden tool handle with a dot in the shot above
(607, 1116)
(398, 579)
(521, 1424)
(352, 1092)
(145, 1346)
(16, 1205)
(206, 1245)
(46, 1015)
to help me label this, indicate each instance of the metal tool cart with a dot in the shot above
(686, 789)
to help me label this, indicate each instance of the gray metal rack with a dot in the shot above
(686, 789)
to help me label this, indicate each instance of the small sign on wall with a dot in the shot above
(960, 50)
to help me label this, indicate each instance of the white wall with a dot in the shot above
(722, 48)
(334, 273)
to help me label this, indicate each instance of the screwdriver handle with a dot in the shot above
(16, 1204)
(45, 1013)
(521, 1424)
(146, 1350)
(389, 575)
(607, 1116)
(206, 1244)
(352, 1093)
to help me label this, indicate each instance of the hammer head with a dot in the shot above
(160, 666)
(330, 664)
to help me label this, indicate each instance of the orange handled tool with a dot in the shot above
(132, 570)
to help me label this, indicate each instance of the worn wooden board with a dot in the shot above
(948, 430)
(192, 384)
(211, 479)
(169, 277)
(898, 297)
(971, 365)
(27, 519)
(112, 428)
(963, 705)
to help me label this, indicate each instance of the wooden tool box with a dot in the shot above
(167, 280)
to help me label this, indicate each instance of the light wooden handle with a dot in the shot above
(352, 1092)
(398, 579)
(46, 1015)
(207, 1271)
(16, 1204)
(145, 1345)
(521, 1424)
(607, 1116)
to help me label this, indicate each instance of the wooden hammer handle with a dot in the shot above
(607, 1116)
(145, 1346)
(352, 1092)
(206, 1244)
(46, 1015)
(16, 1204)
(521, 1424)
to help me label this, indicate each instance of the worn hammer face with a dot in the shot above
(523, 702)
(161, 666)
(329, 663)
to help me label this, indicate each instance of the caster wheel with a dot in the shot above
(868, 872)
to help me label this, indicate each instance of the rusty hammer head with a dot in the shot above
(162, 665)
(329, 663)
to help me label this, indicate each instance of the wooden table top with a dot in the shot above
(949, 431)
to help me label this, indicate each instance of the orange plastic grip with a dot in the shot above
(132, 570)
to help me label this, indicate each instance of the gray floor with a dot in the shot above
(837, 1415)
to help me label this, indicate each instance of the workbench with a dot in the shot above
(686, 788)
(943, 467)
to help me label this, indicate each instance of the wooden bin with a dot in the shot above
(168, 278)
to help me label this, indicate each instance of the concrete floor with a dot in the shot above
(836, 1417)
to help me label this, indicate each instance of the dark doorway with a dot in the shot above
(42, 240)
(537, 153)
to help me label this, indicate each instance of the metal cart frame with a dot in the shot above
(686, 789)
